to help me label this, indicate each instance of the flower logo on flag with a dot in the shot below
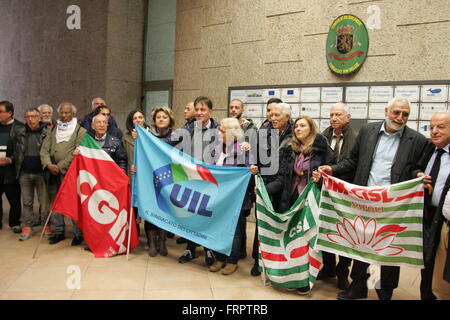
(364, 236)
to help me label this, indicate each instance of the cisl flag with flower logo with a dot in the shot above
(287, 256)
(377, 225)
(95, 192)
(198, 201)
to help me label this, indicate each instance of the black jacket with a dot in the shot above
(321, 154)
(208, 139)
(114, 148)
(265, 146)
(347, 145)
(412, 145)
(17, 142)
(432, 224)
(33, 141)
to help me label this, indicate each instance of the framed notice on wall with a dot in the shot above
(366, 101)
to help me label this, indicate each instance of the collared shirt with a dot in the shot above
(444, 170)
(101, 141)
(333, 141)
(383, 159)
(197, 124)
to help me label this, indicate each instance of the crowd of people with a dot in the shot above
(36, 155)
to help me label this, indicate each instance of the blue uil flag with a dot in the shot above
(198, 201)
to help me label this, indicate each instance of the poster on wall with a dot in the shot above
(428, 109)
(358, 110)
(325, 110)
(377, 111)
(357, 94)
(414, 111)
(332, 94)
(381, 94)
(239, 94)
(310, 109)
(413, 124)
(323, 124)
(295, 111)
(255, 96)
(310, 95)
(436, 93)
(271, 93)
(412, 93)
(290, 95)
(424, 128)
(254, 110)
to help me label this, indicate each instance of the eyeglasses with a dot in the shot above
(398, 112)
(31, 116)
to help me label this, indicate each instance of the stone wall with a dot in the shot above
(223, 43)
(42, 61)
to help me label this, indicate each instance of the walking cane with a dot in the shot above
(42, 233)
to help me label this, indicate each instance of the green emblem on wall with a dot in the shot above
(347, 45)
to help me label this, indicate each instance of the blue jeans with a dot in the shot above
(239, 236)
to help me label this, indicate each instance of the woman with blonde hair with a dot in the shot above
(306, 151)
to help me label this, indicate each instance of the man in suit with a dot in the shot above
(384, 153)
(435, 166)
(341, 137)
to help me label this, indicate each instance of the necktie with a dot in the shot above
(436, 165)
(337, 150)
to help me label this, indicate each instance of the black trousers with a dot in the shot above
(12, 192)
(389, 276)
(426, 279)
(341, 269)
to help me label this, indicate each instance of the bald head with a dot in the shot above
(440, 129)
(97, 102)
(339, 117)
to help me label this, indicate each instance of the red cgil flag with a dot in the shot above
(95, 193)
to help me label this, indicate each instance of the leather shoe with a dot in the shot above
(343, 283)
(384, 294)
(56, 238)
(352, 294)
(77, 241)
(255, 270)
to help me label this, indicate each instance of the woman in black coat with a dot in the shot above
(306, 151)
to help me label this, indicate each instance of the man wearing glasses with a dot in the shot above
(12, 144)
(112, 130)
(32, 175)
(385, 152)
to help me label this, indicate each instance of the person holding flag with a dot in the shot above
(229, 153)
(384, 153)
(163, 122)
(56, 156)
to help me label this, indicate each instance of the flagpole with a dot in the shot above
(42, 234)
(130, 226)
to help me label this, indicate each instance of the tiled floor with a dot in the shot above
(49, 276)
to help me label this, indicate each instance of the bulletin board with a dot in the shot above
(366, 101)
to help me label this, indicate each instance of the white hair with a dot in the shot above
(74, 109)
(95, 117)
(285, 108)
(398, 100)
(45, 105)
(93, 100)
(232, 125)
(342, 105)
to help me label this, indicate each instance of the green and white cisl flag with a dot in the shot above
(377, 225)
(287, 256)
